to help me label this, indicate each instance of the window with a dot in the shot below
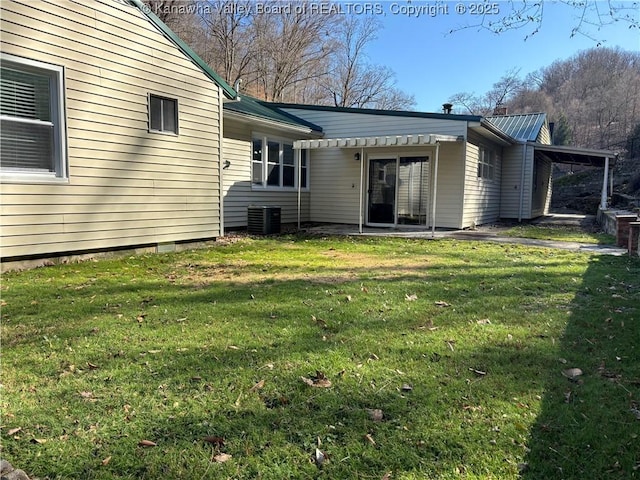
(486, 164)
(163, 114)
(33, 134)
(275, 166)
(256, 164)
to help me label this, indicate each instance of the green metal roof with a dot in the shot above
(268, 111)
(523, 127)
(206, 69)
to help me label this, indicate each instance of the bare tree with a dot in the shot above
(293, 45)
(590, 16)
(501, 93)
(354, 82)
(227, 43)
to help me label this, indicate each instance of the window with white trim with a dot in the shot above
(486, 164)
(32, 131)
(163, 114)
(273, 164)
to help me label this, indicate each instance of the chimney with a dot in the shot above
(500, 110)
(447, 107)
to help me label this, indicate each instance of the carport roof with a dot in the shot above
(574, 155)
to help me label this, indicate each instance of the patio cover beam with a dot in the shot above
(410, 140)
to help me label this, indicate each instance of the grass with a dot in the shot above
(562, 233)
(461, 345)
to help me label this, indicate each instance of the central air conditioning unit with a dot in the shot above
(263, 220)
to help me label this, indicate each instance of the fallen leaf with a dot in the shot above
(406, 387)
(106, 460)
(410, 298)
(257, 386)
(92, 366)
(572, 373)
(39, 440)
(319, 381)
(86, 394)
(348, 298)
(217, 441)
(386, 476)
(147, 443)
(440, 303)
(319, 457)
(477, 372)
(221, 458)
(233, 347)
(370, 439)
(484, 321)
(13, 431)
(375, 414)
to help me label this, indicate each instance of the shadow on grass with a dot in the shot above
(589, 426)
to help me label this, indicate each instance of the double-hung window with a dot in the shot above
(163, 114)
(32, 131)
(273, 164)
(486, 164)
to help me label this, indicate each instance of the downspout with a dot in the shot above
(361, 213)
(524, 162)
(435, 191)
(299, 163)
(221, 155)
(603, 196)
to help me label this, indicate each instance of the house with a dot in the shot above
(259, 164)
(111, 131)
(392, 168)
(116, 135)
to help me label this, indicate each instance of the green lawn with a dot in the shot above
(327, 358)
(562, 233)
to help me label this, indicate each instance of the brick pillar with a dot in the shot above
(622, 229)
(634, 236)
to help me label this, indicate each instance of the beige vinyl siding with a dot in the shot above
(514, 160)
(541, 196)
(481, 196)
(237, 189)
(450, 193)
(544, 136)
(335, 176)
(511, 176)
(126, 186)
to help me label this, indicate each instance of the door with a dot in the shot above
(413, 190)
(398, 191)
(381, 204)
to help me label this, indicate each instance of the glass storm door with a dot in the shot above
(381, 204)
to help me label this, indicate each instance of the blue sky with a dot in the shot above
(432, 64)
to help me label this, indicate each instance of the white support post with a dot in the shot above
(299, 164)
(361, 213)
(603, 197)
(435, 191)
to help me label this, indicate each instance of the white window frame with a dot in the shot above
(265, 163)
(162, 130)
(59, 163)
(487, 163)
